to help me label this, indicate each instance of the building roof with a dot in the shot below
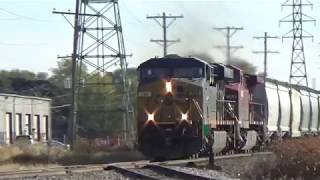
(25, 97)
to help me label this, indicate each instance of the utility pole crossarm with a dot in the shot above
(164, 25)
(168, 17)
(268, 52)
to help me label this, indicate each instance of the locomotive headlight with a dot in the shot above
(168, 87)
(150, 117)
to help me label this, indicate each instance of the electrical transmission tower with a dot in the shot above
(99, 45)
(298, 70)
(165, 25)
(230, 32)
(266, 51)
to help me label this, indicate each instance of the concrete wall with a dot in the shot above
(18, 109)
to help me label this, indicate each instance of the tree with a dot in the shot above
(99, 107)
(99, 101)
(42, 75)
(63, 72)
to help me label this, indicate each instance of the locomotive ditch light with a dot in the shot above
(168, 87)
(184, 116)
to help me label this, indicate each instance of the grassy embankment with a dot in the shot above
(85, 152)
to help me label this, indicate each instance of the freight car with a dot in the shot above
(184, 102)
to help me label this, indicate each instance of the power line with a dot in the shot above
(20, 16)
(230, 32)
(266, 51)
(165, 25)
(21, 44)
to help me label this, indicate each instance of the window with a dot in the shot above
(177, 72)
(28, 125)
(36, 127)
(151, 73)
(19, 124)
(45, 126)
(188, 72)
(9, 136)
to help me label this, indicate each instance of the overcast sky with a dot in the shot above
(31, 36)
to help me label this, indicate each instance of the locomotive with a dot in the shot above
(183, 102)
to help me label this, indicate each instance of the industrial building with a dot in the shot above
(24, 115)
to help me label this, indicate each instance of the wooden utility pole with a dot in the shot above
(230, 31)
(165, 25)
(265, 52)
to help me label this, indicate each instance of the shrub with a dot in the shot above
(294, 158)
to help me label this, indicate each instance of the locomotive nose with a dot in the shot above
(168, 99)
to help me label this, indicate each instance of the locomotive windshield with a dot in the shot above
(151, 73)
(178, 72)
(188, 72)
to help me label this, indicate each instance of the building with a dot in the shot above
(24, 115)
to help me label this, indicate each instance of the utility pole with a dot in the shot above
(99, 46)
(229, 32)
(298, 69)
(73, 114)
(266, 51)
(165, 25)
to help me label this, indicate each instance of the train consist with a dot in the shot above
(185, 102)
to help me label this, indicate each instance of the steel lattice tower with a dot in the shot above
(98, 44)
(298, 70)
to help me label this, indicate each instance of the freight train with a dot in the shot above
(182, 103)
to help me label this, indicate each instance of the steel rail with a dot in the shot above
(175, 173)
(131, 173)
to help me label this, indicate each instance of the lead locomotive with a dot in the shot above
(183, 102)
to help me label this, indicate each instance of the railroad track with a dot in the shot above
(156, 172)
(137, 169)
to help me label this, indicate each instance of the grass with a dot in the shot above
(294, 158)
(85, 152)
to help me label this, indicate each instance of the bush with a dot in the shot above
(7, 152)
(294, 158)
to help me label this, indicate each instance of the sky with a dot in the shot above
(32, 37)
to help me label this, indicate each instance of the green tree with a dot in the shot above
(99, 100)
(99, 107)
(7, 77)
(63, 72)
